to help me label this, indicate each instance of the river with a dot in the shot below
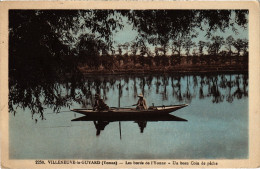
(216, 126)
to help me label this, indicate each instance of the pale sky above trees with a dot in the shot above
(127, 34)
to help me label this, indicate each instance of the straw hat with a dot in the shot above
(140, 95)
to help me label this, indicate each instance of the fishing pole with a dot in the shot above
(59, 112)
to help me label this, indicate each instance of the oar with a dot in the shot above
(59, 112)
(120, 130)
(119, 91)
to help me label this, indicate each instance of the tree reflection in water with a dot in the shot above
(38, 94)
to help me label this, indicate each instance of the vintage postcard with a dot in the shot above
(129, 84)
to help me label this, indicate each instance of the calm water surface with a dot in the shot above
(217, 115)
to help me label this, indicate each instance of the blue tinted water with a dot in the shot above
(217, 125)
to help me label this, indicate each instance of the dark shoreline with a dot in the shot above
(187, 70)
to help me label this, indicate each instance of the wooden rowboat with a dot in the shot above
(148, 118)
(113, 111)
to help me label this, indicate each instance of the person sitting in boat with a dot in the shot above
(99, 105)
(141, 103)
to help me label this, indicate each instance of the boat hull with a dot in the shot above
(158, 110)
(150, 118)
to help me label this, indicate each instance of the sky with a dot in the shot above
(127, 34)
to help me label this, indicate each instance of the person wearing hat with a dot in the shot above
(141, 103)
(99, 105)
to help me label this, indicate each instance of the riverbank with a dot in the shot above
(175, 69)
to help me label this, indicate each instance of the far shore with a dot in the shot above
(191, 69)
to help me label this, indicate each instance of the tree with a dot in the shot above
(188, 44)
(229, 43)
(169, 24)
(133, 48)
(210, 48)
(194, 51)
(239, 44)
(177, 45)
(164, 43)
(125, 47)
(201, 45)
(112, 51)
(217, 44)
(46, 36)
(142, 50)
(90, 48)
(163, 49)
(142, 46)
(156, 51)
(245, 47)
(119, 49)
